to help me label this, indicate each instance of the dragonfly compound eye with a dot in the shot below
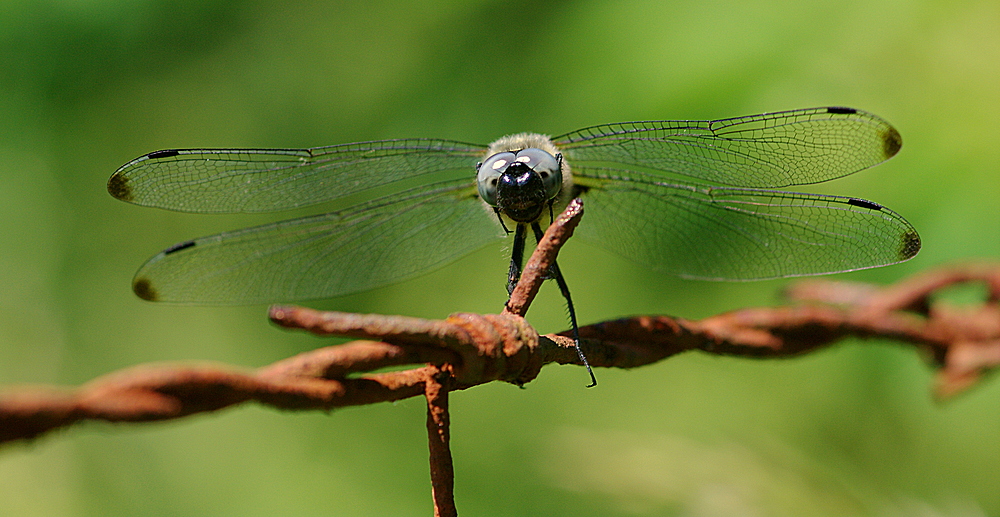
(547, 167)
(489, 173)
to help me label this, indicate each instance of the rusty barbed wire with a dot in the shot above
(963, 343)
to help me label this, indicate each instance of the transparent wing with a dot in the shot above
(263, 180)
(366, 246)
(723, 233)
(770, 150)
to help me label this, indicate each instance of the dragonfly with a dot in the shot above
(698, 199)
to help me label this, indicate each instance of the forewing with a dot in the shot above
(723, 233)
(261, 180)
(364, 247)
(770, 150)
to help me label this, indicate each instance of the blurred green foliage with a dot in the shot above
(88, 85)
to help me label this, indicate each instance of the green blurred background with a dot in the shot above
(87, 85)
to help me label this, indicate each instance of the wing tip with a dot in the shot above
(892, 141)
(119, 187)
(909, 245)
(144, 289)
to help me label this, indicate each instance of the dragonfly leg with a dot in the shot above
(564, 288)
(499, 218)
(516, 258)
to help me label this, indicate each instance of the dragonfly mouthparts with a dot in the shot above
(521, 193)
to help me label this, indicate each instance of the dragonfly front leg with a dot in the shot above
(516, 258)
(554, 272)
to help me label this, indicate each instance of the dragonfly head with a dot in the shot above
(520, 183)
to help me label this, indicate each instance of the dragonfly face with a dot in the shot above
(689, 198)
(520, 183)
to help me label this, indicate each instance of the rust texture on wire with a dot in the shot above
(438, 437)
(537, 266)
